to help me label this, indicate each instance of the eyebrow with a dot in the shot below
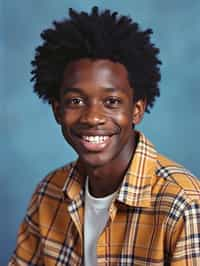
(78, 90)
(68, 90)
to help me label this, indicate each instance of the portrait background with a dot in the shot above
(30, 140)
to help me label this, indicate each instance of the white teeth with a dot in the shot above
(95, 139)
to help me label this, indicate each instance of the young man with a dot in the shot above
(121, 202)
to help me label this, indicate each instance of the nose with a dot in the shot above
(93, 115)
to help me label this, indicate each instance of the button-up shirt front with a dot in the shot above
(153, 220)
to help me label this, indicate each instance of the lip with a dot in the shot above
(87, 146)
(95, 147)
(93, 133)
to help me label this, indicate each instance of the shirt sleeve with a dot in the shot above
(186, 238)
(28, 248)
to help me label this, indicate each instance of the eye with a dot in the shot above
(74, 102)
(113, 102)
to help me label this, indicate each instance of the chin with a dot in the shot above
(95, 161)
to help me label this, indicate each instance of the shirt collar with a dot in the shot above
(135, 189)
(75, 181)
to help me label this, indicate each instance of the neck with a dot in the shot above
(106, 179)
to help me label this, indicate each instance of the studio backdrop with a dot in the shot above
(30, 140)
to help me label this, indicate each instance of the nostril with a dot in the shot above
(93, 118)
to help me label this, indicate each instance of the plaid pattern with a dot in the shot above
(154, 220)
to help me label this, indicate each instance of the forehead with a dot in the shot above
(101, 73)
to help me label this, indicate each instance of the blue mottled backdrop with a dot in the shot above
(31, 142)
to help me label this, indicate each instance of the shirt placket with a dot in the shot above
(103, 242)
(75, 209)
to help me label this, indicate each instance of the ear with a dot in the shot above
(138, 111)
(56, 108)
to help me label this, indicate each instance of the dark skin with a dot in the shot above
(96, 112)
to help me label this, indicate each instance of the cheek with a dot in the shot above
(67, 122)
(124, 119)
(69, 118)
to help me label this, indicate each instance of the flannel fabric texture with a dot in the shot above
(153, 220)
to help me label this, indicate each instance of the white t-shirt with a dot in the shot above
(95, 219)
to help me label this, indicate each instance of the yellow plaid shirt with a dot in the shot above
(154, 219)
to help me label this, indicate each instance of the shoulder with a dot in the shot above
(174, 190)
(178, 177)
(53, 183)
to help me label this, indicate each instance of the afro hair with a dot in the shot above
(97, 35)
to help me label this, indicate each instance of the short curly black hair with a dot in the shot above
(97, 35)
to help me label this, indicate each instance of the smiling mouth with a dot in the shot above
(95, 139)
(95, 143)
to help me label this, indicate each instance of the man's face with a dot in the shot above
(96, 111)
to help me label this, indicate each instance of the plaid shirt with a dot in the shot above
(154, 219)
